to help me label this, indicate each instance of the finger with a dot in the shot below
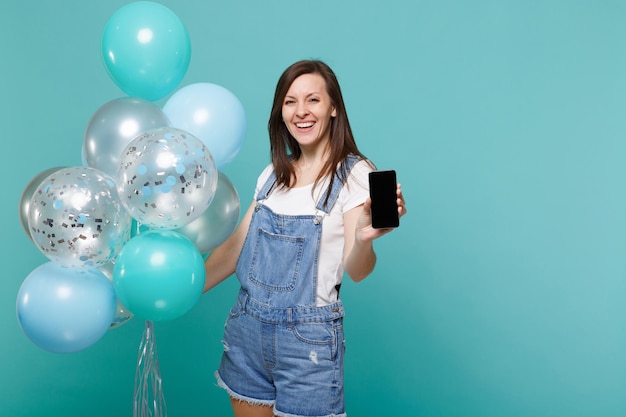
(401, 207)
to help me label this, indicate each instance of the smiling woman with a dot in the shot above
(309, 222)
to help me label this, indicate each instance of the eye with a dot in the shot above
(314, 99)
(289, 101)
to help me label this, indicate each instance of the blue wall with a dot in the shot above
(502, 294)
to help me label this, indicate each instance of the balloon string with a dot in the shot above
(148, 397)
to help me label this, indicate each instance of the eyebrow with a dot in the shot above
(308, 95)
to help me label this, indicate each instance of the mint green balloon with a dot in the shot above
(159, 275)
(146, 49)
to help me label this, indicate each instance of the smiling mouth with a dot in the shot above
(304, 125)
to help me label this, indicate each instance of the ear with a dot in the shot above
(334, 113)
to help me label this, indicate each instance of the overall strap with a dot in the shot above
(267, 188)
(338, 182)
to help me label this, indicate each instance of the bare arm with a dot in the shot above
(222, 261)
(359, 235)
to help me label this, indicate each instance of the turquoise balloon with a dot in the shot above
(146, 49)
(159, 275)
(137, 228)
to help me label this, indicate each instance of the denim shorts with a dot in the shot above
(297, 367)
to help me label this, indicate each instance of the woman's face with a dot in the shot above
(307, 111)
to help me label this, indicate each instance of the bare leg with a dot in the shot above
(243, 409)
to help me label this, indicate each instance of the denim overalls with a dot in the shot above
(279, 347)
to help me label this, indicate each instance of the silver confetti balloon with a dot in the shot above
(27, 195)
(76, 218)
(166, 178)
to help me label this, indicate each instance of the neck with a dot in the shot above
(308, 165)
(313, 157)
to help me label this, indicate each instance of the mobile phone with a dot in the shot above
(384, 199)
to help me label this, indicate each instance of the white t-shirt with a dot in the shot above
(300, 201)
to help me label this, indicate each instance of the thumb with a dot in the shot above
(367, 206)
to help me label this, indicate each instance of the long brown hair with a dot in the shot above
(285, 149)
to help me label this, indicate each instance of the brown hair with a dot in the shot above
(285, 149)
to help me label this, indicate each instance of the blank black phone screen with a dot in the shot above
(384, 199)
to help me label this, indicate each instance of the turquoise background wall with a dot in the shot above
(503, 292)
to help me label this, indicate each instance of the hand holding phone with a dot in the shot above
(384, 210)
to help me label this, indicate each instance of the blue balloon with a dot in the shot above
(211, 113)
(146, 49)
(159, 275)
(65, 310)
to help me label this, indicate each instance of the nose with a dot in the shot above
(301, 109)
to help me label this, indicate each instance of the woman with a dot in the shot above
(310, 221)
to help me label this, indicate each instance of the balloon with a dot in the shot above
(122, 315)
(159, 275)
(83, 156)
(76, 219)
(65, 310)
(27, 194)
(146, 49)
(166, 178)
(218, 221)
(137, 228)
(211, 113)
(114, 125)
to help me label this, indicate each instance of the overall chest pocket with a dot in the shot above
(276, 261)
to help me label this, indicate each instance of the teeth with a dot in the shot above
(304, 125)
